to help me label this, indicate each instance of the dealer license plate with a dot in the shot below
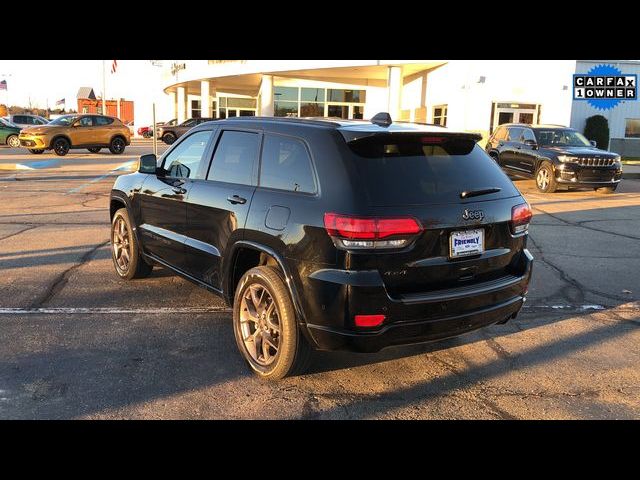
(465, 243)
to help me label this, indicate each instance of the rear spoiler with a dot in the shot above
(352, 135)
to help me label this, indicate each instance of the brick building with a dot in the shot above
(88, 103)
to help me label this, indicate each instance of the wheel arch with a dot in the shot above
(261, 253)
(60, 135)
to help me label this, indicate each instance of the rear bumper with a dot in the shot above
(421, 318)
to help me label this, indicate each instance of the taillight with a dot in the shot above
(371, 233)
(520, 218)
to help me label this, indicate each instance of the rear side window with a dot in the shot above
(19, 119)
(500, 134)
(235, 157)
(286, 165)
(101, 121)
(408, 170)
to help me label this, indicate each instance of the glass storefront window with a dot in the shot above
(285, 109)
(312, 95)
(196, 110)
(288, 94)
(351, 96)
(312, 109)
(314, 100)
(632, 128)
(241, 102)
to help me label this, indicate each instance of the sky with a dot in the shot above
(52, 80)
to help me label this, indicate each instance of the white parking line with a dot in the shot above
(123, 166)
(632, 306)
(109, 310)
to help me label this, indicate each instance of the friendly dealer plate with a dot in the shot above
(465, 243)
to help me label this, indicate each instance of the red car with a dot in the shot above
(145, 132)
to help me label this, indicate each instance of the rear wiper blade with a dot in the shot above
(480, 191)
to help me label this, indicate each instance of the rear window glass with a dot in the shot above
(410, 171)
(286, 165)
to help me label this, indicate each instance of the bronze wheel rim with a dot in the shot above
(260, 324)
(121, 241)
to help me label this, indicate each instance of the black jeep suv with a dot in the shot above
(329, 234)
(555, 156)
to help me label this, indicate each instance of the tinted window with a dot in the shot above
(514, 134)
(235, 157)
(188, 123)
(528, 135)
(102, 121)
(562, 137)
(395, 170)
(286, 165)
(184, 160)
(85, 122)
(19, 119)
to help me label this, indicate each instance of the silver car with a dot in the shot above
(27, 120)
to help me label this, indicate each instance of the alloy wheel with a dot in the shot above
(13, 142)
(61, 147)
(117, 145)
(121, 242)
(260, 325)
(542, 179)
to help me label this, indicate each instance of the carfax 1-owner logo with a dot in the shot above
(605, 86)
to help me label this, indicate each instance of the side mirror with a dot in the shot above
(593, 143)
(148, 163)
(532, 144)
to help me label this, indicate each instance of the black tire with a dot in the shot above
(13, 142)
(495, 157)
(606, 190)
(117, 145)
(35, 151)
(146, 134)
(545, 178)
(135, 266)
(61, 146)
(293, 351)
(94, 149)
(169, 138)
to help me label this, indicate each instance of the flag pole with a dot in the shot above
(104, 92)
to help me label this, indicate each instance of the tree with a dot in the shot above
(597, 128)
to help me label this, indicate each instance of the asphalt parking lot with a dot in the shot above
(77, 342)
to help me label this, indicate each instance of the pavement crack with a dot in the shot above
(581, 225)
(564, 276)
(30, 227)
(61, 280)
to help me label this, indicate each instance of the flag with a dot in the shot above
(60, 102)
(3, 85)
(114, 66)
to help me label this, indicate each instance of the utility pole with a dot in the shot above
(104, 89)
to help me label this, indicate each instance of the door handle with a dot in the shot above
(235, 199)
(179, 190)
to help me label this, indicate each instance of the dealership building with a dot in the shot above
(470, 95)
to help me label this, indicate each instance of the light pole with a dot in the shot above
(158, 64)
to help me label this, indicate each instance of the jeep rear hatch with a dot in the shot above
(420, 168)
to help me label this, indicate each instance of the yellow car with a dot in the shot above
(92, 132)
